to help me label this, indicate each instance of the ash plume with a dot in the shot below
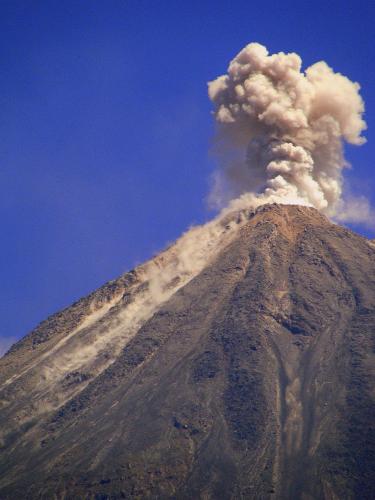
(281, 131)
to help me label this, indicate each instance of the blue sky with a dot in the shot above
(106, 128)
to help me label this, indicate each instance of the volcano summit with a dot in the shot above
(247, 375)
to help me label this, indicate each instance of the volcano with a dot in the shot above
(251, 377)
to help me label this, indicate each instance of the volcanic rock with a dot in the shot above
(253, 379)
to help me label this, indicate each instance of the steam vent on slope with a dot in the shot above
(244, 370)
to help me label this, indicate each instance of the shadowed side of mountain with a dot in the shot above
(253, 380)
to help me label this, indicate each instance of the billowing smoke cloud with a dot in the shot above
(281, 132)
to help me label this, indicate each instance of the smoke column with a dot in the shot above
(281, 131)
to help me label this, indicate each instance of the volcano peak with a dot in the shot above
(236, 364)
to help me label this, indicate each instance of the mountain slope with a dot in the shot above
(250, 378)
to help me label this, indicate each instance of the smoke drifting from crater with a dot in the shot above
(281, 133)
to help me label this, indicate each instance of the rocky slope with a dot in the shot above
(251, 377)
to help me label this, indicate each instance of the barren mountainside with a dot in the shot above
(252, 378)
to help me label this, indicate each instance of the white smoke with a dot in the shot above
(98, 340)
(281, 132)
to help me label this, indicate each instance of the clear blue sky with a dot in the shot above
(106, 127)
